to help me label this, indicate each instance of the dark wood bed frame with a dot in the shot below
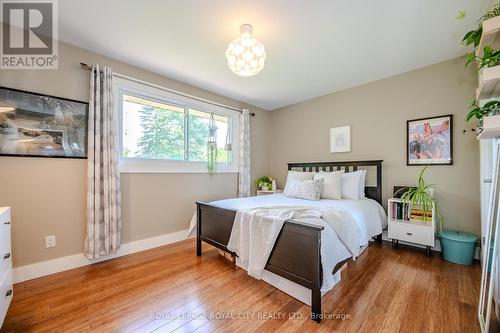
(296, 253)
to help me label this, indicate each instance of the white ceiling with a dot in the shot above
(313, 47)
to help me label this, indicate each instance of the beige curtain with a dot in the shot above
(103, 176)
(244, 166)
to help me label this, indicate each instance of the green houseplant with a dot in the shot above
(456, 247)
(264, 183)
(421, 196)
(478, 113)
(473, 37)
(490, 58)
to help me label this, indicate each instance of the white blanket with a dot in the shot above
(255, 232)
(368, 215)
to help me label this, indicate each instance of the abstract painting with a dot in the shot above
(430, 141)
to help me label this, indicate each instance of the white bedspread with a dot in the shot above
(255, 232)
(366, 213)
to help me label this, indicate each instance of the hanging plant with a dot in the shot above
(474, 37)
(228, 147)
(490, 58)
(212, 145)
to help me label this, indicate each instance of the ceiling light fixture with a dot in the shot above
(246, 55)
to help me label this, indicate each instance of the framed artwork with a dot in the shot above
(37, 125)
(340, 139)
(430, 141)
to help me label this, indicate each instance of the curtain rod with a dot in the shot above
(88, 67)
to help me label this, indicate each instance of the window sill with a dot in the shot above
(179, 172)
(134, 165)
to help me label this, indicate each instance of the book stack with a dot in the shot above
(420, 216)
(403, 213)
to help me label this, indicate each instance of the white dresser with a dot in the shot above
(6, 290)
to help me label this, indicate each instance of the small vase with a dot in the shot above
(265, 188)
(274, 185)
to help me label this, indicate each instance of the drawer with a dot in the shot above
(6, 294)
(4, 215)
(5, 264)
(407, 232)
(5, 248)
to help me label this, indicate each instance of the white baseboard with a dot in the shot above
(48, 267)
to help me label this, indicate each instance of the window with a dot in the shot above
(162, 132)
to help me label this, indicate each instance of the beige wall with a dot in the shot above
(47, 196)
(377, 113)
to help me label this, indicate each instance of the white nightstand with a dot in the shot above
(401, 226)
(262, 192)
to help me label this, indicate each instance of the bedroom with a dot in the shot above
(98, 216)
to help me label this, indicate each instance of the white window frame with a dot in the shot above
(146, 165)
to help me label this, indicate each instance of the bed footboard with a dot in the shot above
(296, 254)
(214, 226)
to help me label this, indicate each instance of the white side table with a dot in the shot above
(403, 227)
(262, 192)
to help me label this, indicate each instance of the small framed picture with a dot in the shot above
(340, 139)
(430, 141)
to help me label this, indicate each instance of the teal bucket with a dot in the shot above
(458, 247)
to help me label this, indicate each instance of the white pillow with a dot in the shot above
(332, 185)
(362, 184)
(350, 185)
(306, 189)
(296, 176)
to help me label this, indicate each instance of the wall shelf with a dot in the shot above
(491, 128)
(490, 36)
(489, 83)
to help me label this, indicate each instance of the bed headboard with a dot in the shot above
(372, 192)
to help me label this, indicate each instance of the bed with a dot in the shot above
(296, 256)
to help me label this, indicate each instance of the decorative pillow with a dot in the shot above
(362, 184)
(296, 176)
(350, 185)
(306, 189)
(332, 184)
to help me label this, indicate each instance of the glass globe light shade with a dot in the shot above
(246, 55)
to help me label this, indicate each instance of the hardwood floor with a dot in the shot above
(170, 289)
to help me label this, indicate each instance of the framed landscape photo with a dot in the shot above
(430, 141)
(37, 125)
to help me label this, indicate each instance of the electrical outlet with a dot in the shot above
(50, 241)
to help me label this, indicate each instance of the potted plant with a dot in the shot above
(476, 112)
(457, 247)
(264, 183)
(474, 37)
(421, 196)
(490, 58)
